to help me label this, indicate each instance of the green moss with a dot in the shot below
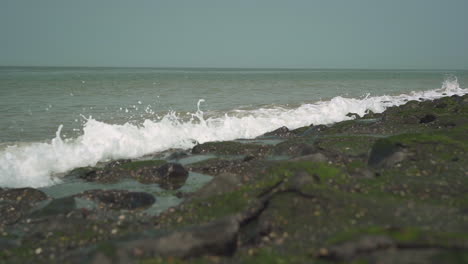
(405, 235)
(108, 249)
(269, 255)
(440, 138)
(356, 164)
(350, 145)
(229, 148)
(451, 256)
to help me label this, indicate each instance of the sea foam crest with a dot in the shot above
(33, 164)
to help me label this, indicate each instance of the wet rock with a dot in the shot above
(223, 183)
(230, 148)
(117, 163)
(16, 203)
(122, 169)
(353, 115)
(119, 199)
(280, 132)
(55, 207)
(22, 195)
(11, 213)
(427, 119)
(385, 153)
(218, 238)
(170, 176)
(316, 157)
(83, 172)
(315, 130)
(294, 147)
(248, 158)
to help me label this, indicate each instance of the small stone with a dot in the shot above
(38, 251)
(323, 252)
(114, 231)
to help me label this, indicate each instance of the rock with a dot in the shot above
(302, 179)
(363, 173)
(280, 132)
(16, 203)
(230, 148)
(57, 206)
(353, 115)
(218, 238)
(427, 119)
(171, 176)
(121, 169)
(83, 172)
(11, 213)
(22, 195)
(316, 157)
(119, 199)
(117, 163)
(223, 183)
(385, 153)
(315, 130)
(348, 250)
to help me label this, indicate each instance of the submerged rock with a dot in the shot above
(119, 199)
(57, 206)
(167, 175)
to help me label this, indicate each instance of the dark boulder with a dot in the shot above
(386, 153)
(172, 176)
(427, 119)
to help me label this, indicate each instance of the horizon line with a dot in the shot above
(233, 68)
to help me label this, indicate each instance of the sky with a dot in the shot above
(364, 34)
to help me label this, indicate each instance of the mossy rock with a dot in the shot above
(230, 148)
(347, 145)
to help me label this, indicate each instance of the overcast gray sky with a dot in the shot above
(423, 34)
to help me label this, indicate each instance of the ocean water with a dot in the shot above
(55, 119)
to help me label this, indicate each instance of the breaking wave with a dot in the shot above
(33, 164)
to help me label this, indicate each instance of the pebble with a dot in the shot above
(38, 251)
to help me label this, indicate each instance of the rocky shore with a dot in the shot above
(382, 188)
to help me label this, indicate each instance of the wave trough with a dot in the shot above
(34, 164)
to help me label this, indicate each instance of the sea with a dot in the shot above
(53, 120)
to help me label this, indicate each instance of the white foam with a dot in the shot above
(33, 164)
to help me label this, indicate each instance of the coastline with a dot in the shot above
(382, 186)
